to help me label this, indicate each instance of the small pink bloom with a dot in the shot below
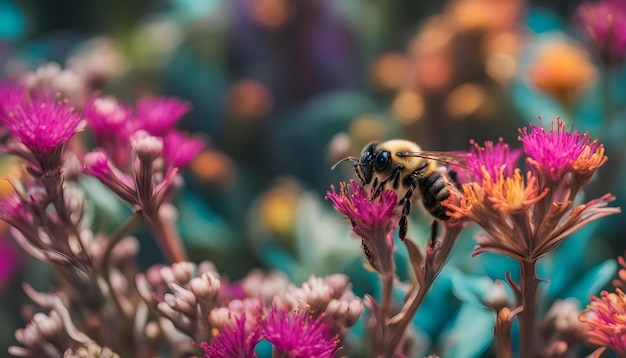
(158, 116)
(373, 220)
(106, 116)
(492, 157)
(235, 341)
(179, 149)
(299, 335)
(368, 217)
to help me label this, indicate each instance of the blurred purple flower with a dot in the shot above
(111, 123)
(179, 149)
(158, 116)
(605, 24)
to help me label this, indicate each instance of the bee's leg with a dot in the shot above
(404, 227)
(357, 169)
(394, 173)
(406, 209)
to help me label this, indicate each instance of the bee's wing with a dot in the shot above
(455, 158)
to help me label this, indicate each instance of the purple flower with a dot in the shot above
(373, 220)
(298, 335)
(553, 153)
(493, 157)
(43, 125)
(179, 149)
(158, 116)
(234, 342)
(605, 24)
(369, 217)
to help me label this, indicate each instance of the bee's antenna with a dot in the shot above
(352, 159)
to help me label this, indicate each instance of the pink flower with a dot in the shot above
(553, 153)
(605, 24)
(158, 116)
(373, 220)
(43, 125)
(16, 212)
(179, 149)
(234, 342)
(492, 157)
(111, 123)
(298, 335)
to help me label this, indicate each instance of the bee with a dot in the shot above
(402, 166)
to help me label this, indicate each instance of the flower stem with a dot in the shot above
(529, 285)
(167, 238)
(385, 306)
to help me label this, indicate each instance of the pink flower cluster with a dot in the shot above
(306, 321)
(114, 124)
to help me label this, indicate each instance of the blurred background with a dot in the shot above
(285, 88)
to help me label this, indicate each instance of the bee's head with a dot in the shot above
(372, 160)
(369, 162)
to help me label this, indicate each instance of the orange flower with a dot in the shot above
(562, 70)
(513, 194)
(606, 318)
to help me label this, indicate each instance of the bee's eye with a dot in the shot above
(382, 159)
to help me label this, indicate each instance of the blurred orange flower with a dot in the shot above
(562, 70)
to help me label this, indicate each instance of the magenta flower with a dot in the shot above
(179, 149)
(492, 157)
(16, 212)
(297, 335)
(234, 342)
(605, 24)
(111, 124)
(107, 117)
(43, 125)
(373, 220)
(158, 116)
(553, 153)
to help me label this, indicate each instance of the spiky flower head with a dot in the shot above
(553, 152)
(493, 157)
(43, 124)
(296, 334)
(373, 220)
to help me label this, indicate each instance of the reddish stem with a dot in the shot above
(529, 285)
